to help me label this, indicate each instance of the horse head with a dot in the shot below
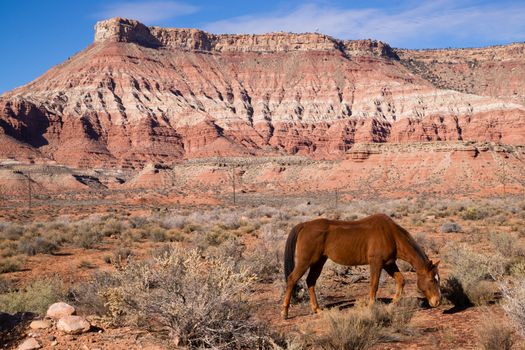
(428, 283)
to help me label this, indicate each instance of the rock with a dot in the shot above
(40, 324)
(73, 325)
(60, 309)
(449, 227)
(163, 113)
(54, 343)
(29, 344)
(51, 337)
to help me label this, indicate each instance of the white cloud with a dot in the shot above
(147, 11)
(424, 24)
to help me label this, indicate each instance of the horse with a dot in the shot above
(375, 240)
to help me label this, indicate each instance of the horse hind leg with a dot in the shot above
(394, 272)
(311, 279)
(294, 276)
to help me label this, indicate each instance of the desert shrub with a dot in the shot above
(474, 214)
(36, 245)
(8, 249)
(402, 313)
(517, 269)
(112, 227)
(10, 264)
(138, 221)
(213, 237)
(262, 211)
(231, 248)
(12, 232)
(88, 296)
(175, 221)
(230, 221)
(202, 302)
(86, 238)
(361, 327)
(514, 303)
(266, 259)
(265, 262)
(158, 234)
(470, 268)
(354, 330)
(504, 243)
(134, 234)
(35, 297)
(121, 254)
(200, 217)
(174, 235)
(428, 243)
(496, 336)
(449, 227)
(482, 292)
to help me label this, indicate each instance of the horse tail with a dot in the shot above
(289, 251)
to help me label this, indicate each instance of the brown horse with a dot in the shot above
(376, 240)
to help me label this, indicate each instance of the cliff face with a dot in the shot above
(497, 71)
(142, 94)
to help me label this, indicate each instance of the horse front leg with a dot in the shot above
(394, 272)
(375, 273)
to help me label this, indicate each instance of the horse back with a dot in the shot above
(349, 242)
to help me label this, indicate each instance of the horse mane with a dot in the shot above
(413, 244)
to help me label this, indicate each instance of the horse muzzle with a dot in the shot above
(435, 301)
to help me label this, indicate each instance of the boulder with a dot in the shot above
(40, 324)
(73, 325)
(59, 310)
(29, 344)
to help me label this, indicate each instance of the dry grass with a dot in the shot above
(362, 328)
(496, 336)
(11, 264)
(514, 303)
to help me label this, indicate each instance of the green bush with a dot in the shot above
(35, 297)
(474, 214)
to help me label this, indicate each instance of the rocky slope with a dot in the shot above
(147, 94)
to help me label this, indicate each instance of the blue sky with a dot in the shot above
(40, 34)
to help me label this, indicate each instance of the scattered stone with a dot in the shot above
(73, 325)
(29, 344)
(51, 337)
(54, 343)
(449, 227)
(59, 310)
(40, 324)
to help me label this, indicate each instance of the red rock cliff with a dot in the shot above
(142, 94)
